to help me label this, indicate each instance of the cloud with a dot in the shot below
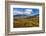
(30, 10)
(27, 11)
(17, 12)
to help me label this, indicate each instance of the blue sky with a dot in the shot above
(27, 11)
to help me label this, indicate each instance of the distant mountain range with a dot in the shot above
(25, 15)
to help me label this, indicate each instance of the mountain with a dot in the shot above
(35, 16)
(19, 15)
(24, 15)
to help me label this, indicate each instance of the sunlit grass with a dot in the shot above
(27, 22)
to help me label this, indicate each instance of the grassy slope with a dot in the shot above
(32, 21)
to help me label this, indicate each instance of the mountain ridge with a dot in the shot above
(24, 15)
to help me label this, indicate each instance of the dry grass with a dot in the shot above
(26, 22)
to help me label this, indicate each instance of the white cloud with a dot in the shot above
(28, 11)
(17, 12)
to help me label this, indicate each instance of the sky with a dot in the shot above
(26, 11)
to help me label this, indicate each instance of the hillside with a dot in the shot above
(26, 21)
(24, 16)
